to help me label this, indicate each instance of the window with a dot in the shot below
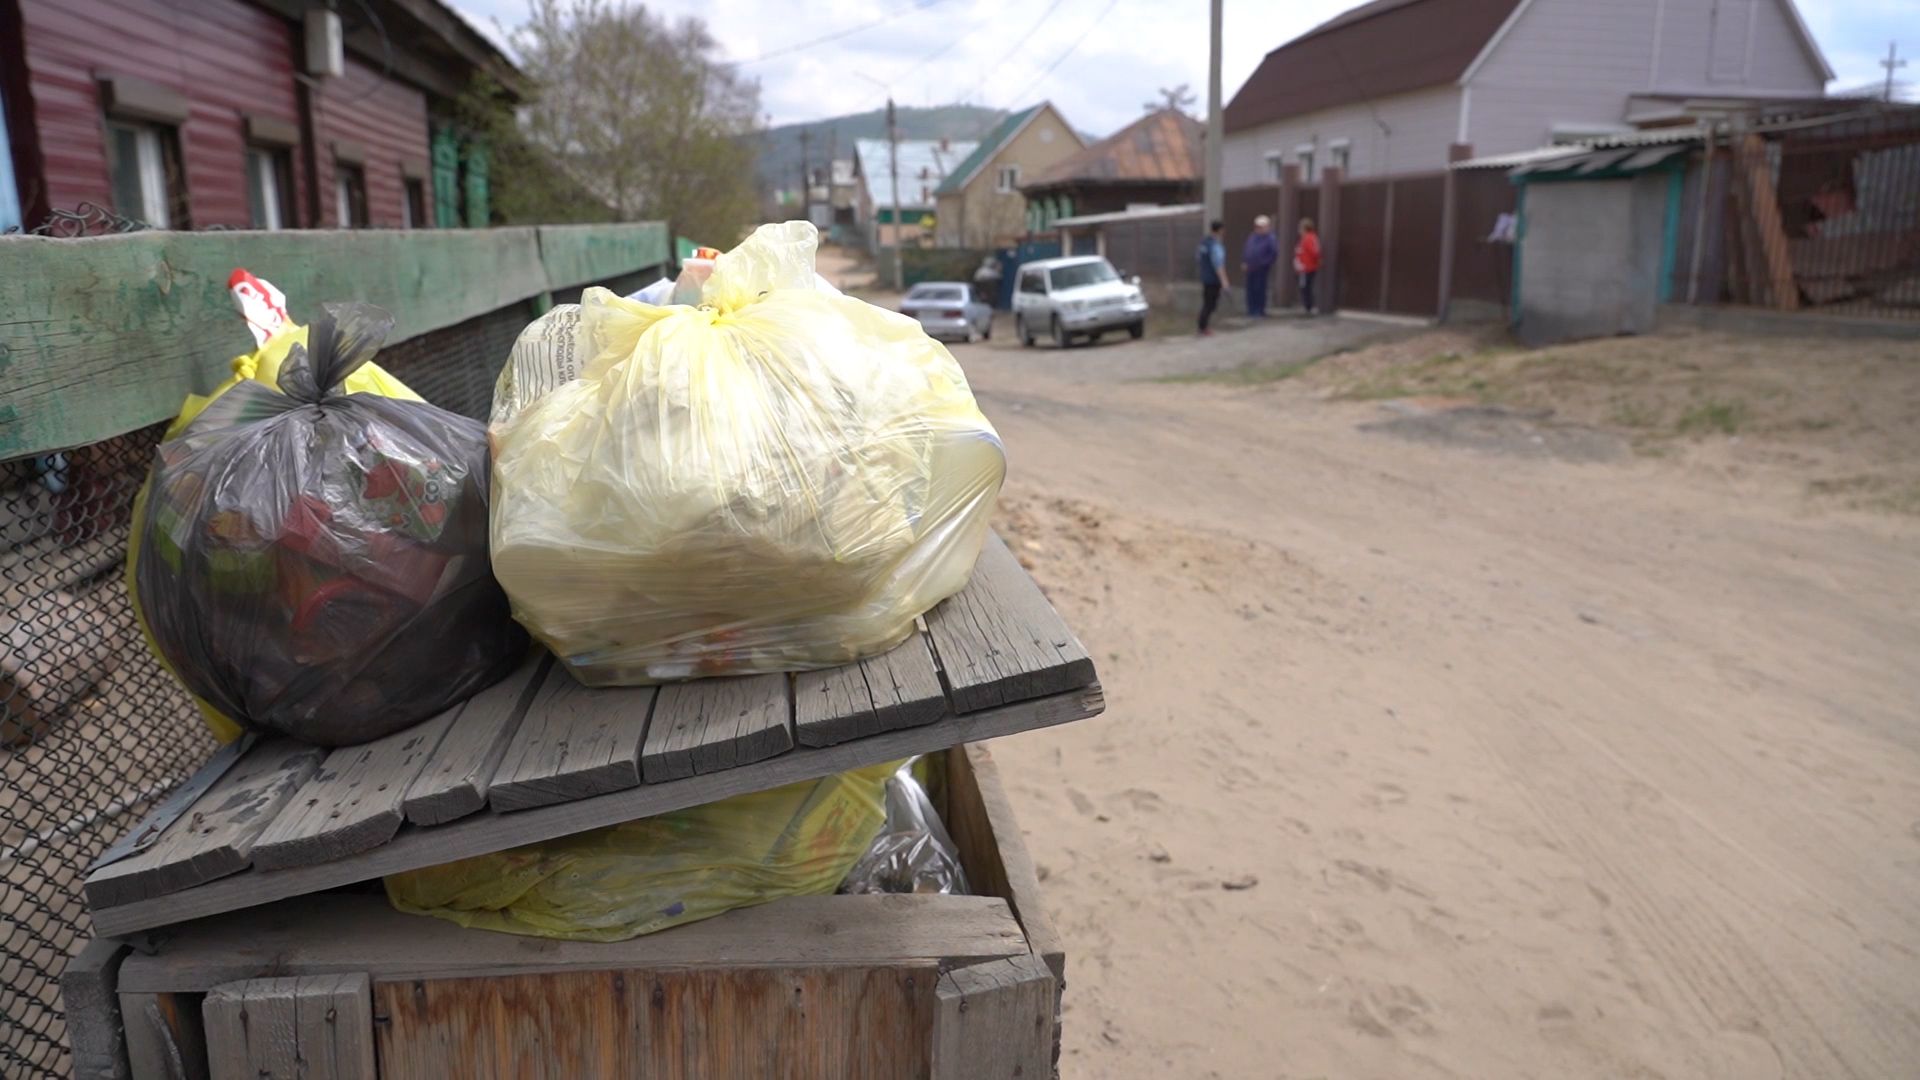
(268, 197)
(1086, 273)
(413, 209)
(1276, 163)
(1304, 155)
(1009, 179)
(1338, 156)
(1033, 281)
(140, 159)
(350, 197)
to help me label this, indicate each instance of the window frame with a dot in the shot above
(1006, 180)
(1340, 156)
(413, 203)
(158, 176)
(350, 179)
(1304, 155)
(279, 166)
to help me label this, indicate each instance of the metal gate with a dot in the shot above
(1389, 245)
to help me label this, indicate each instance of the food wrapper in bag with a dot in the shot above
(912, 853)
(779, 478)
(312, 561)
(621, 881)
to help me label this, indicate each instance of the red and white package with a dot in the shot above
(261, 303)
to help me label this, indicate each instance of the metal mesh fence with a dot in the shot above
(95, 730)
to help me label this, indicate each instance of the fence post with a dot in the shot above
(1286, 231)
(1329, 226)
(1450, 224)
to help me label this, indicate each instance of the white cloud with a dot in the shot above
(1125, 54)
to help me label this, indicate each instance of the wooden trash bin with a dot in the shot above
(339, 985)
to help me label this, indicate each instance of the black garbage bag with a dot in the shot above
(314, 562)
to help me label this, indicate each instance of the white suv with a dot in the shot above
(1077, 295)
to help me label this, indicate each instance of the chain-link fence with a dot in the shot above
(95, 730)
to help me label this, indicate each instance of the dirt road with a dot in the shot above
(1430, 761)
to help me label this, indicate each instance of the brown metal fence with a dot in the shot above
(95, 729)
(1390, 239)
(1159, 249)
(1482, 263)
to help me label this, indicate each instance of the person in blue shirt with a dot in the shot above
(1257, 258)
(1212, 258)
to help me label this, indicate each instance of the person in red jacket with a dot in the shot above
(1306, 262)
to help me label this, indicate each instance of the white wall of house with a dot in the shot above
(1560, 63)
(1574, 63)
(1417, 129)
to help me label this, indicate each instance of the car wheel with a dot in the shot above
(1020, 331)
(1061, 339)
(973, 333)
(1136, 331)
(987, 330)
(1094, 338)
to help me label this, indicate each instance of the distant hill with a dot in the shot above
(779, 157)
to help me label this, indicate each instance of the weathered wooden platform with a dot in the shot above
(539, 756)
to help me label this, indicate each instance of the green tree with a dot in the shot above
(632, 111)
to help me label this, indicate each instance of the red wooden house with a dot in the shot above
(261, 114)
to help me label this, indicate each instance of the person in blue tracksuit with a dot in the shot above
(1212, 260)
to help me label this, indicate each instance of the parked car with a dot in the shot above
(949, 310)
(1080, 295)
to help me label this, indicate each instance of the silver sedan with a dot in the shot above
(949, 310)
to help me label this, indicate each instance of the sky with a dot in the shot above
(1098, 61)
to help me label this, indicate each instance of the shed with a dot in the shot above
(1597, 235)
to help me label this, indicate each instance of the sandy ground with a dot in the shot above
(1466, 742)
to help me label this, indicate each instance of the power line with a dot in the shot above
(1018, 44)
(1042, 77)
(784, 50)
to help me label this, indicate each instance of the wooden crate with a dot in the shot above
(338, 985)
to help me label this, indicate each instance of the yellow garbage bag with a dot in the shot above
(625, 880)
(263, 366)
(779, 478)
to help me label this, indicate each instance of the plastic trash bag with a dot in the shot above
(913, 853)
(779, 478)
(625, 880)
(312, 561)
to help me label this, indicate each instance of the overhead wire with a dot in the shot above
(1058, 60)
(1019, 43)
(801, 46)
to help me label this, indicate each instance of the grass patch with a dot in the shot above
(1635, 414)
(1723, 417)
(1381, 391)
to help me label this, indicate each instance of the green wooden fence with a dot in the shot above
(102, 336)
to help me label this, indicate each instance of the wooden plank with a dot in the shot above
(215, 837)
(107, 334)
(479, 835)
(1765, 207)
(665, 1025)
(994, 852)
(572, 742)
(899, 688)
(164, 1038)
(590, 254)
(999, 641)
(352, 804)
(307, 1027)
(455, 780)
(362, 933)
(713, 725)
(90, 998)
(995, 1021)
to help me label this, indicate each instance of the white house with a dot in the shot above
(1386, 88)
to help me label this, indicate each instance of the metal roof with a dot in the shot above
(1160, 147)
(1543, 154)
(1130, 215)
(1002, 133)
(924, 163)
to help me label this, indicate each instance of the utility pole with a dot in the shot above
(806, 182)
(893, 165)
(1890, 63)
(1216, 124)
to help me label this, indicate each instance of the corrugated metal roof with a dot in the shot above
(1130, 215)
(924, 163)
(1541, 154)
(1386, 47)
(1008, 126)
(1162, 146)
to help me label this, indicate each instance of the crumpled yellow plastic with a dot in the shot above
(621, 881)
(779, 478)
